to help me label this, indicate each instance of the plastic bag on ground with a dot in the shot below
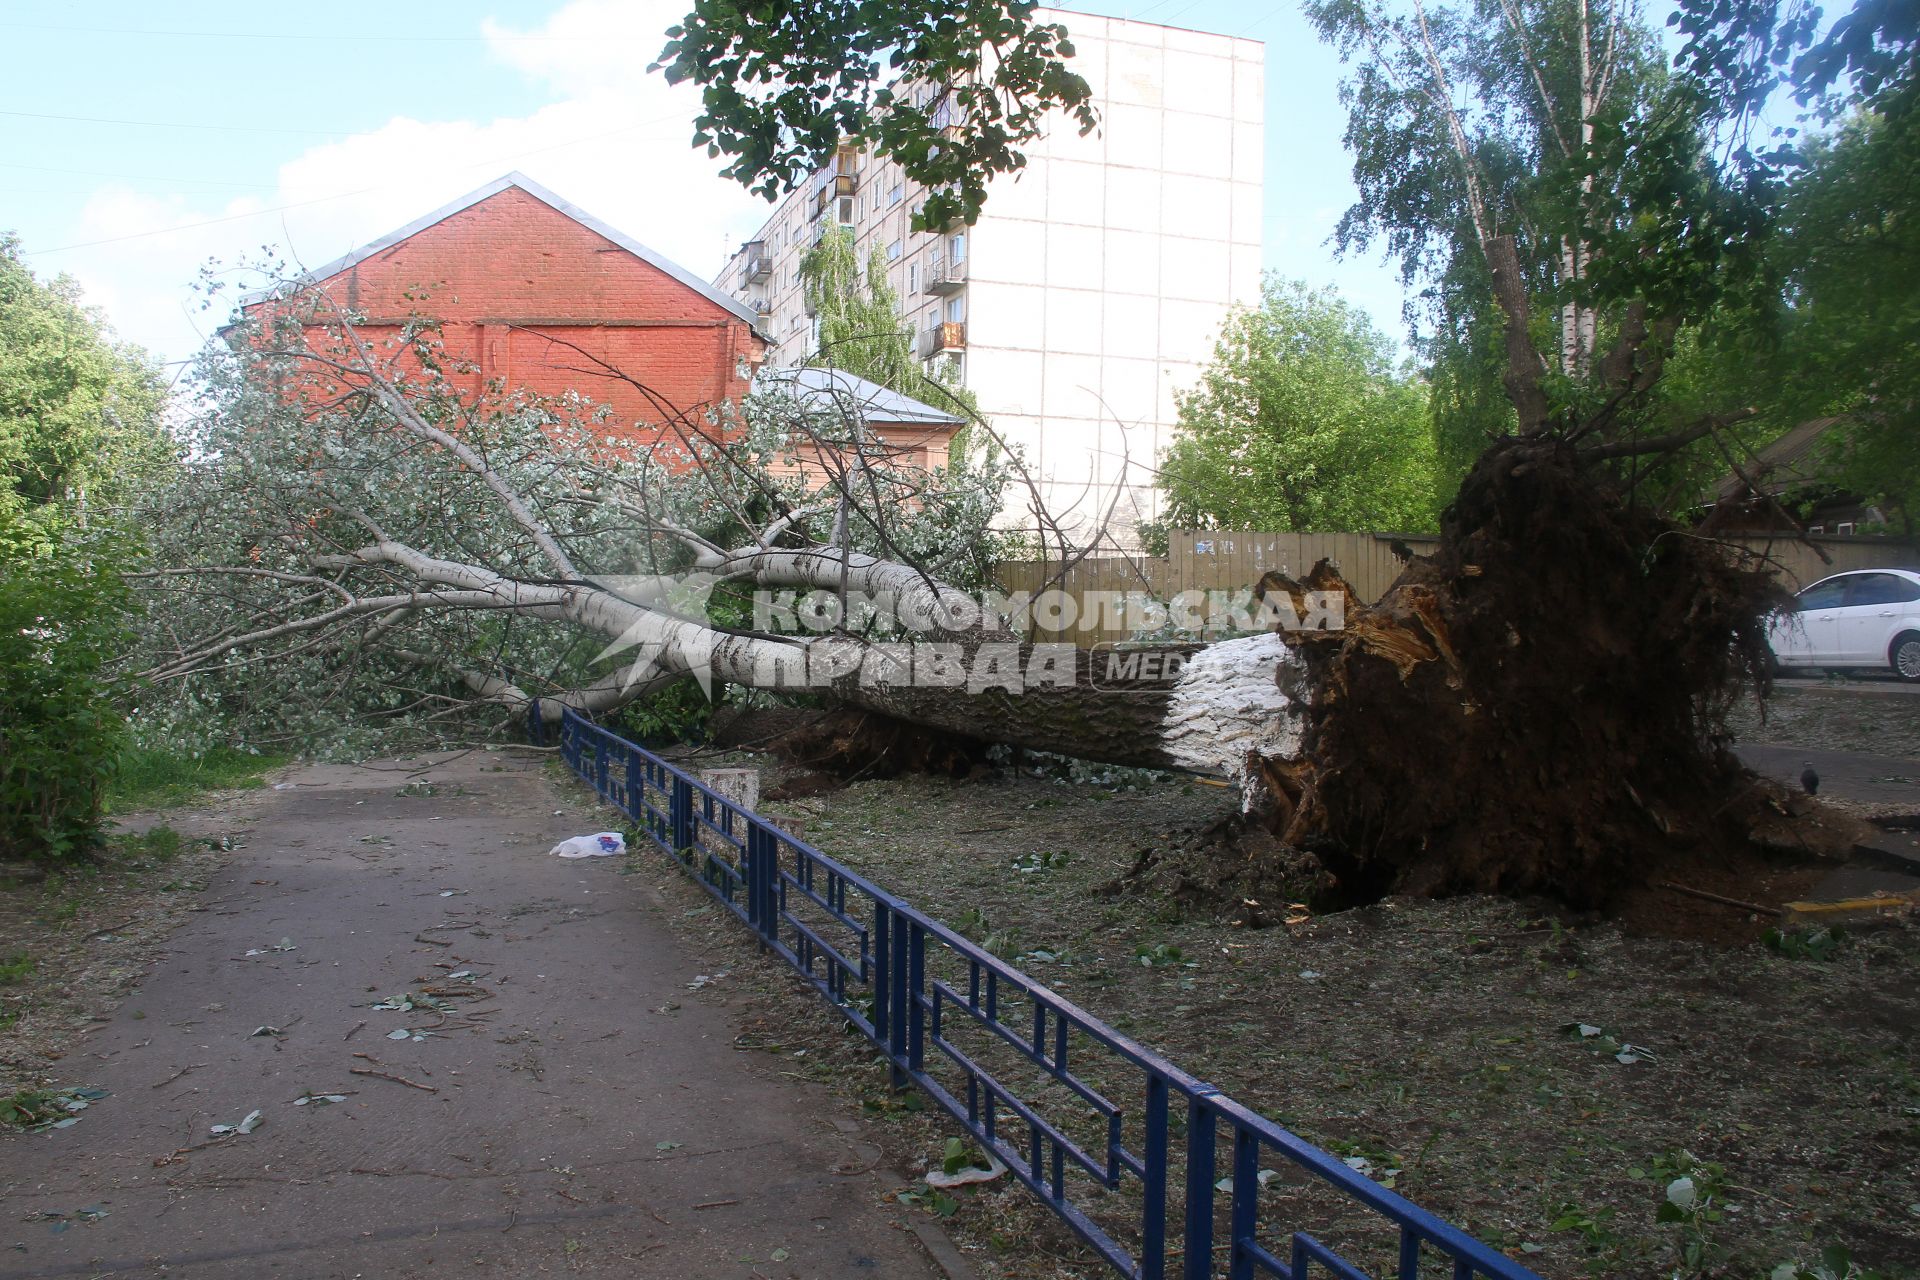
(604, 845)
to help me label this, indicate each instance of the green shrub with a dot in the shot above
(61, 619)
(677, 713)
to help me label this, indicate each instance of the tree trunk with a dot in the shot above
(1223, 713)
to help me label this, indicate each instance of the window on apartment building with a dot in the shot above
(896, 195)
(846, 210)
(913, 277)
(893, 251)
(957, 248)
(956, 309)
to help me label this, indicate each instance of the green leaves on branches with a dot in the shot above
(1302, 423)
(950, 89)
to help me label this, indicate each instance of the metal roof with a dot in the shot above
(836, 388)
(732, 305)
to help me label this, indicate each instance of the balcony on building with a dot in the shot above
(943, 112)
(950, 336)
(944, 275)
(756, 263)
(838, 179)
(841, 187)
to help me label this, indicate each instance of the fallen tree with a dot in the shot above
(1533, 708)
(361, 536)
(1538, 706)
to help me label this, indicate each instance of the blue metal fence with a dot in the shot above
(1124, 1146)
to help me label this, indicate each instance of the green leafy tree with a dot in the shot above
(1850, 328)
(1839, 336)
(1302, 423)
(1549, 193)
(861, 332)
(1741, 52)
(79, 412)
(952, 89)
(79, 429)
(860, 329)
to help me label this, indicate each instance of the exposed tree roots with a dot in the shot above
(1536, 708)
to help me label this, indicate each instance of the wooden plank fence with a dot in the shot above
(1799, 564)
(1112, 590)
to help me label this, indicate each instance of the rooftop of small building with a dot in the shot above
(837, 389)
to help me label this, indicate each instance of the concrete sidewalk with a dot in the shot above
(1849, 775)
(1886, 782)
(573, 1109)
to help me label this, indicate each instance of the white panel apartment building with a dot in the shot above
(1094, 284)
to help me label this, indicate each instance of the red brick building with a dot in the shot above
(539, 295)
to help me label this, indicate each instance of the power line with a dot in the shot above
(204, 222)
(176, 124)
(137, 177)
(343, 195)
(1266, 17)
(595, 38)
(48, 191)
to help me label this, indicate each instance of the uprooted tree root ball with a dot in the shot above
(1536, 708)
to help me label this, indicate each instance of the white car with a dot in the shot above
(1867, 618)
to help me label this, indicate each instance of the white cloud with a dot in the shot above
(614, 141)
(596, 43)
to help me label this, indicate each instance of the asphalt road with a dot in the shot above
(574, 1108)
(1849, 775)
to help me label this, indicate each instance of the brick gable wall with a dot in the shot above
(535, 300)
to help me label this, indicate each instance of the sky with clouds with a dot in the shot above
(138, 142)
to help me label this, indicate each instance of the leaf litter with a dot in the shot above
(1432, 1041)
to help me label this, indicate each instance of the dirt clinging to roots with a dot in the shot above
(1537, 707)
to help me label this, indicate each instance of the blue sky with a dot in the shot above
(137, 140)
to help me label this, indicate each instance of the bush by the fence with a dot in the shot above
(61, 619)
